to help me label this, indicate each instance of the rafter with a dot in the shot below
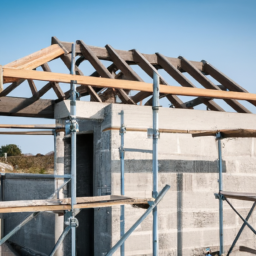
(101, 69)
(181, 79)
(203, 80)
(36, 59)
(149, 69)
(66, 58)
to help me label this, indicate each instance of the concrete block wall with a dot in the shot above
(38, 235)
(188, 215)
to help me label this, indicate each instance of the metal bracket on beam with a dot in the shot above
(1, 78)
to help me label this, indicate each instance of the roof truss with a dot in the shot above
(116, 80)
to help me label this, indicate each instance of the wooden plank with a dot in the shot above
(126, 85)
(239, 195)
(55, 205)
(101, 69)
(181, 79)
(41, 108)
(37, 59)
(247, 249)
(1, 79)
(223, 79)
(32, 86)
(28, 133)
(55, 85)
(234, 133)
(29, 126)
(103, 54)
(204, 81)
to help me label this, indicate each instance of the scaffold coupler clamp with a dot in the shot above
(153, 134)
(218, 136)
(122, 130)
(73, 222)
(219, 196)
(121, 152)
(71, 125)
(154, 194)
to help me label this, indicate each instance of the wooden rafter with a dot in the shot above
(36, 59)
(102, 70)
(122, 82)
(181, 79)
(203, 80)
(149, 69)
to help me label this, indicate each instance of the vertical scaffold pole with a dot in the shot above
(155, 108)
(218, 137)
(122, 216)
(73, 128)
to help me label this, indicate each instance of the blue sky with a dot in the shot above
(221, 32)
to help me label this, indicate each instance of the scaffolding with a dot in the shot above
(105, 85)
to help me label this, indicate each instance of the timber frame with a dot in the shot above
(107, 84)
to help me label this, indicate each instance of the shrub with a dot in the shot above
(11, 150)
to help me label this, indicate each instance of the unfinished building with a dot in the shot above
(113, 136)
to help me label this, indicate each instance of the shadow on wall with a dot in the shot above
(172, 166)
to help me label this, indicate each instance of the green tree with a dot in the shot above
(11, 150)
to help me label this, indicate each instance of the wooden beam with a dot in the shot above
(223, 79)
(55, 85)
(82, 203)
(128, 56)
(11, 87)
(67, 60)
(32, 87)
(204, 81)
(102, 70)
(126, 85)
(29, 126)
(41, 108)
(182, 80)
(36, 59)
(150, 69)
(28, 133)
(247, 249)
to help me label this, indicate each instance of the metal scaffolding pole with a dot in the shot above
(122, 208)
(73, 131)
(155, 108)
(219, 137)
(137, 223)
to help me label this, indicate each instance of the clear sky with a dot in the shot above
(221, 32)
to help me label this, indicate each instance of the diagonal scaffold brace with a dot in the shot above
(152, 206)
(30, 217)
